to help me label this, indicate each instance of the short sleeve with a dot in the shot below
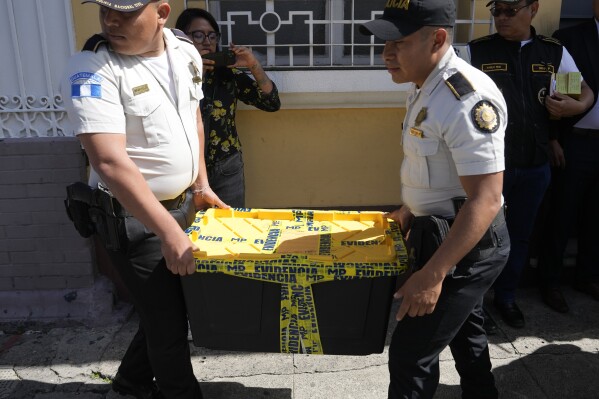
(567, 63)
(475, 135)
(91, 95)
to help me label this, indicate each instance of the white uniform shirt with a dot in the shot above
(443, 140)
(106, 92)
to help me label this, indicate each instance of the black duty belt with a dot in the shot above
(175, 202)
(488, 239)
(498, 220)
(585, 132)
(427, 233)
(95, 211)
(169, 205)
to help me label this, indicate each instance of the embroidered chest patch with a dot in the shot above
(137, 90)
(485, 117)
(495, 67)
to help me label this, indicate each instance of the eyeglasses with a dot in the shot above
(508, 12)
(198, 36)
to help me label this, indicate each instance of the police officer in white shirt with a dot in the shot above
(453, 161)
(132, 96)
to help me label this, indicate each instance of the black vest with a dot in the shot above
(523, 75)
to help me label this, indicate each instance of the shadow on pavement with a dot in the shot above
(554, 371)
(27, 389)
(582, 321)
(551, 372)
(233, 390)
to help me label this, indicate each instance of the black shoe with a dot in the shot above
(553, 297)
(139, 391)
(511, 314)
(488, 323)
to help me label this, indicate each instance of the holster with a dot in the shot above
(428, 232)
(96, 211)
(92, 211)
(426, 235)
(77, 204)
(105, 215)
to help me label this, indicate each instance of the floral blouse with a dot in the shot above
(222, 88)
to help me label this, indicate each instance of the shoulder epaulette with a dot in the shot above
(481, 39)
(459, 85)
(551, 40)
(181, 36)
(94, 43)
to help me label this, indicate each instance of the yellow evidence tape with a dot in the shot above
(298, 248)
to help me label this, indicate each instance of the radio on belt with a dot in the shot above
(293, 281)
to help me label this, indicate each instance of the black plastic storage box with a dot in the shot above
(293, 281)
(233, 313)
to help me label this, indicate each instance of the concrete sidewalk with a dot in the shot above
(555, 356)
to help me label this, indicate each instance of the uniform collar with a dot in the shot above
(436, 75)
(533, 36)
(170, 39)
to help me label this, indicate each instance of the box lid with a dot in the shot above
(298, 248)
(320, 236)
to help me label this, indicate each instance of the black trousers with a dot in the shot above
(573, 207)
(160, 348)
(457, 321)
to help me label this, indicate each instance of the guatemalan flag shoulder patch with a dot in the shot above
(86, 84)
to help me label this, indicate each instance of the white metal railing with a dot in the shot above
(36, 53)
(329, 28)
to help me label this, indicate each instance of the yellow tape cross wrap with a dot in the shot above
(296, 273)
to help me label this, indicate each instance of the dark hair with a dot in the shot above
(188, 15)
(184, 21)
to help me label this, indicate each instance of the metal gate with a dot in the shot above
(37, 38)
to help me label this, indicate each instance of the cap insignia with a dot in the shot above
(401, 4)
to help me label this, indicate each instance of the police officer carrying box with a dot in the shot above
(451, 180)
(132, 96)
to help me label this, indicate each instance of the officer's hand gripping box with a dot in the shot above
(293, 281)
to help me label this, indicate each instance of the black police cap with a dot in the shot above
(401, 18)
(120, 5)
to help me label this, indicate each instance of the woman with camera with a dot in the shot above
(223, 85)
